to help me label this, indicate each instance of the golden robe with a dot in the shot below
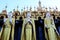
(27, 33)
(50, 34)
(6, 31)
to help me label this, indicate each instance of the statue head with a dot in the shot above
(10, 16)
(28, 14)
(48, 15)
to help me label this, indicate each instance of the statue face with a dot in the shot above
(48, 14)
(10, 16)
(5, 19)
(28, 14)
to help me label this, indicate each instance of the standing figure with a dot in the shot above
(6, 31)
(49, 27)
(7, 28)
(28, 29)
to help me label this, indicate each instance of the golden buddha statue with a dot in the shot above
(6, 31)
(28, 29)
(49, 24)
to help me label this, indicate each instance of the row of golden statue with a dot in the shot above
(27, 25)
(28, 30)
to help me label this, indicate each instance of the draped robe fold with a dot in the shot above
(6, 31)
(50, 34)
(23, 37)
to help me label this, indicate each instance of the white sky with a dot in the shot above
(12, 4)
